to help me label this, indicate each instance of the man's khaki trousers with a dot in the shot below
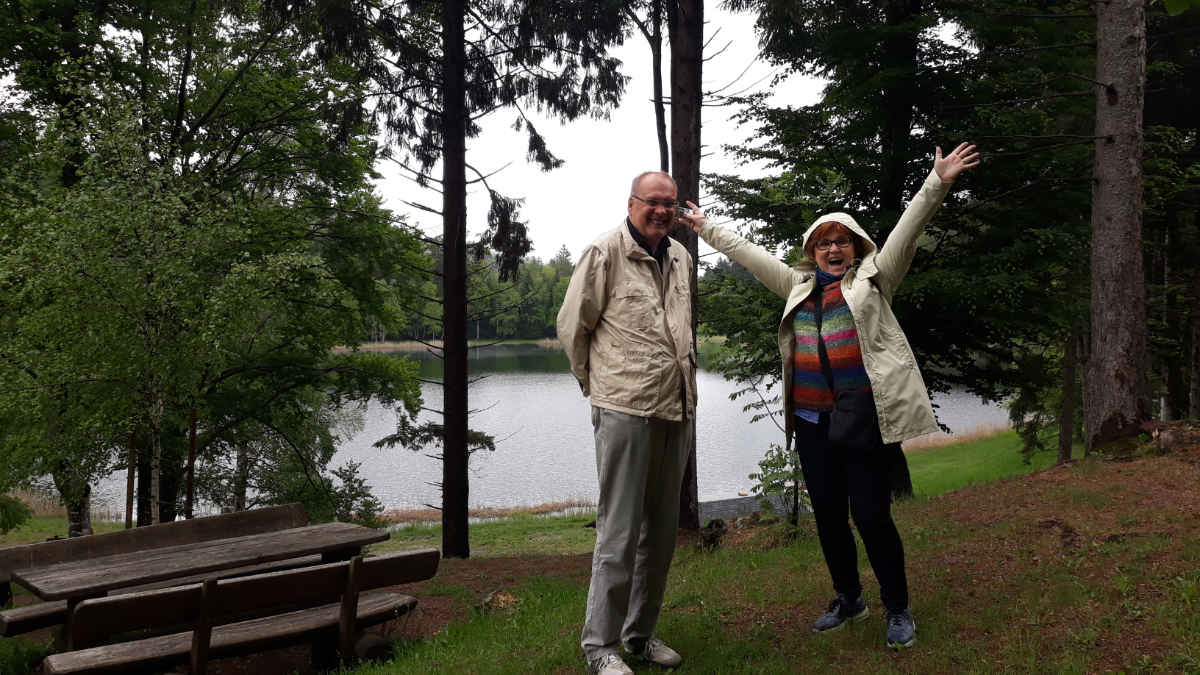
(640, 462)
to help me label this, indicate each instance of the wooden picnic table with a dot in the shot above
(79, 580)
(95, 577)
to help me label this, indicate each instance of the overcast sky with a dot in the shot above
(572, 205)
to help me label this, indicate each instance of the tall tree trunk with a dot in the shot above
(241, 478)
(76, 495)
(660, 113)
(1066, 405)
(455, 537)
(651, 29)
(156, 450)
(79, 513)
(1194, 352)
(900, 48)
(130, 484)
(191, 464)
(143, 482)
(686, 18)
(1166, 411)
(1177, 259)
(1116, 380)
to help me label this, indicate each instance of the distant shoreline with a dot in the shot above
(414, 346)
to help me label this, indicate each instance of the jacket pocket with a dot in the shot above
(635, 304)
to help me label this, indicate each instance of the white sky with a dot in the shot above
(572, 205)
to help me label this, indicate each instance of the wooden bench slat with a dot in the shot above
(144, 567)
(271, 592)
(40, 615)
(32, 617)
(206, 528)
(228, 640)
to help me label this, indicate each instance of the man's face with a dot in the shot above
(653, 222)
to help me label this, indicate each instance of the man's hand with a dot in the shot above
(964, 157)
(694, 220)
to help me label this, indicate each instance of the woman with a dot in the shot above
(852, 384)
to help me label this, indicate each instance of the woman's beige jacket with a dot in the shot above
(626, 327)
(900, 395)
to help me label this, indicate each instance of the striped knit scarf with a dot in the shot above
(810, 389)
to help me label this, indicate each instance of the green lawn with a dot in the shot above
(1078, 570)
(947, 468)
(1015, 595)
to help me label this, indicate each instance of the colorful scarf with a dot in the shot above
(810, 389)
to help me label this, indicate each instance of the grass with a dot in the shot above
(41, 528)
(521, 534)
(1087, 568)
(1080, 569)
(941, 469)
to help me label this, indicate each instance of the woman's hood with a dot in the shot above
(850, 223)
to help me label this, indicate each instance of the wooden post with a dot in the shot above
(202, 633)
(348, 619)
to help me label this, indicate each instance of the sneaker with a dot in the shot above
(902, 629)
(657, 652)
(609, 664)
(840, 610)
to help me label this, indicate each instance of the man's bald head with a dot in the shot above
(637, 181)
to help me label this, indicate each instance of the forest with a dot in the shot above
(191, 245)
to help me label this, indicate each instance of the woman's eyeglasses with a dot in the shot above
(826, 244)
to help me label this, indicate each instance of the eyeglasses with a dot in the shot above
(826, 244)
(655, 204)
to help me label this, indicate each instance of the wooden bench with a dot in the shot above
(45, 614)
(324, 604)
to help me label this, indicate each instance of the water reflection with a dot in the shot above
(529, 401)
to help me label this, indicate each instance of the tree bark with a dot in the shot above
(191, 465)
(1116, 382)
(660, 113)
(241, 478)
(156, 417)
(130, 483)
(1066, 405)
(455, 537)
(1194, 355)
(900, 48)
(686, 19)
(77, 497)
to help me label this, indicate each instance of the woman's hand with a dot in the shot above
(694, 220)
(964, 157)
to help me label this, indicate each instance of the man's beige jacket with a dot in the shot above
(901, 399)
(626, 327)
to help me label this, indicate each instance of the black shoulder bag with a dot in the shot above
(853, 424)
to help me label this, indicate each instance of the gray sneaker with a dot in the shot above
(609, 664)
(902, 629)
(841, 609)
(657, 652)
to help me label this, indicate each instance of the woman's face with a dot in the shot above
(834, 250)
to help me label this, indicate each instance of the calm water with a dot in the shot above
(530, 402)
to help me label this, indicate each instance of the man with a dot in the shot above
(626, 327)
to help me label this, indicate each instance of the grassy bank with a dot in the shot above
(1092, 567)
(934, 470)
(414, 346)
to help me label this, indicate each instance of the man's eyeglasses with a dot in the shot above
(655, 203)
(826, 244)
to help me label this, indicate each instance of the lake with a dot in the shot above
(528, 400)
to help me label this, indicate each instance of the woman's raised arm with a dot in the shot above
(771, 272)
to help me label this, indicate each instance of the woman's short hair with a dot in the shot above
(827, 230)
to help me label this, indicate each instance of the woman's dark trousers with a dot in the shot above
(843, 484)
